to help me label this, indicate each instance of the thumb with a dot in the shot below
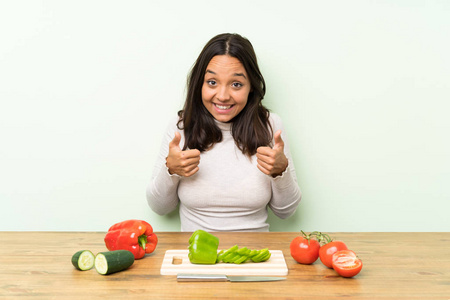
(279, 144)
(176, 141)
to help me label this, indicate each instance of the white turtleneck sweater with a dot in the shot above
(229, 192)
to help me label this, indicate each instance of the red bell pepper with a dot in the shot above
(133, 235)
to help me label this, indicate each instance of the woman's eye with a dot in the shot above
(237, 84)
(211, 82)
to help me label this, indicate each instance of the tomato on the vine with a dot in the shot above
(304, 249)
(326, 252)
(346, 263)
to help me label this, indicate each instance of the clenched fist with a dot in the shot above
(272, 161)
(183, 163)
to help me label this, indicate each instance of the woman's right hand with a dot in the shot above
(183, 163)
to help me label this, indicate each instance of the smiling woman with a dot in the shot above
(229, 55)
(234, 162)
(226, 88)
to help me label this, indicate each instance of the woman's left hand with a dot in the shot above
(272, 161)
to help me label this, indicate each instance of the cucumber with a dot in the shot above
(83, 260)
(113, 261)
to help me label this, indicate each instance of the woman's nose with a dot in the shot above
(223, 94)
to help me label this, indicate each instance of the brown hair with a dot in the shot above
(251, 128)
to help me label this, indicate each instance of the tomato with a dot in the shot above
(346, 263)
(326, 252)
(304, 249)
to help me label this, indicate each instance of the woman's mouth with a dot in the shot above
(223, 107)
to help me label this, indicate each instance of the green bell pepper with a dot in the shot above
(203, 248)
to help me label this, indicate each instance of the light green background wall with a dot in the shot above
(87, 87)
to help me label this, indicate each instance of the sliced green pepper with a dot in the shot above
(238, 255)
(203, 248)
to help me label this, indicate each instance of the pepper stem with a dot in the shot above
(142, 240)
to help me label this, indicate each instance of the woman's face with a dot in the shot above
(225, 88)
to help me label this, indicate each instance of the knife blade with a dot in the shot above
(223, 277)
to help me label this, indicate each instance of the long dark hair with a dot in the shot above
(251, 128)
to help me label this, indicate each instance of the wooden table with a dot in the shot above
(396, 266)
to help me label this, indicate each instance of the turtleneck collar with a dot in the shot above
(223, 126)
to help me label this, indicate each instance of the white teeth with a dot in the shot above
(223, 107)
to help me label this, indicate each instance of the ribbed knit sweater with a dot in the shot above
(229, 192)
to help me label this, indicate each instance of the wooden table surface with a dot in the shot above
(396, 266)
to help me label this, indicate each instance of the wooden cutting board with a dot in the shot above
(177, 261)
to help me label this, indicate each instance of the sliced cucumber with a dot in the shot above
(113, 261)
(83, 260)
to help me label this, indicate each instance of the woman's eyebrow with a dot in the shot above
(235, 74)
(240, 74)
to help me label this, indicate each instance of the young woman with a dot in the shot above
(223, 158)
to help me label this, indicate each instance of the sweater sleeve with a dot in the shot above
(286, 194)
(162, 196)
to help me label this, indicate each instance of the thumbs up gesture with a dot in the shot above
(183, 163)
(272, 161)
